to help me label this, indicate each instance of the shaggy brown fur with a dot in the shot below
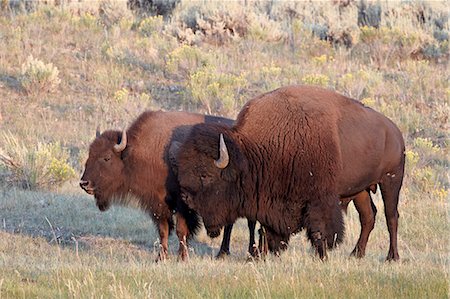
(293, 153)
(140, 176)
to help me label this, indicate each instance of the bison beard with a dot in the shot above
(292, 154)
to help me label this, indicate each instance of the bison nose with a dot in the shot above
(87, 186)
(84, 184)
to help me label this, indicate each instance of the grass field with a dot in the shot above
(67, 69)
(59, 245)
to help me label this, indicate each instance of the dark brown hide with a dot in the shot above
(293, 153)
(139, 175)
(366, 209)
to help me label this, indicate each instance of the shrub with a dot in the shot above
(216, 92)
(361, 83)
(270, 77)
(426, 149)
(405, 115)
(37, 77)
(153, 7)
(369, 14)
(121, 95)
(316, 79)
(87, 20)
(183, 24)
(261, 28)
(386, 44)
(112, 12)
(322, 59)
(223, 22)
(220, 27)
(40, 167)
(151, 25)
(185, 60)
(369, 102)
(217, 23)
(419, 159)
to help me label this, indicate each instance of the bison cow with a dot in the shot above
(132, 168)
(290, 156)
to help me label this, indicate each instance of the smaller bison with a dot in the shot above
(289, 158)
(132, 168)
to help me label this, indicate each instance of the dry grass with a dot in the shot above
(59, 245)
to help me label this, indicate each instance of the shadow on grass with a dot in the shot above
(11, 82)
(71, 220)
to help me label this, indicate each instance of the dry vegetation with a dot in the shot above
(67, 68)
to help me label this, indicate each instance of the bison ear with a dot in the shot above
(173, 153)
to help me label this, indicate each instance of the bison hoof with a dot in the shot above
(254, 251)
(392, 257)
(162, 256)
(184, 257)
(358, 253)
(255, 254)
(222, 254)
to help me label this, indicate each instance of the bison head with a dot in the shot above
(209, 164)
(103, 174)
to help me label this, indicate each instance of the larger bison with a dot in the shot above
(132, 168)
(291, 155)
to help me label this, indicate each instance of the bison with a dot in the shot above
(132, 168)
(290, 156)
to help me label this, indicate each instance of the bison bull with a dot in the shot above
(286, 162)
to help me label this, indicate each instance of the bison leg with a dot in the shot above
(182, 233)
(390, 188)
(251, 242)
(163, 229)
(367, 211)
(225, 246)
(263, 247)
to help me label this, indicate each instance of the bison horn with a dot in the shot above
(97, 132)
(224, 159)
(123, 143)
